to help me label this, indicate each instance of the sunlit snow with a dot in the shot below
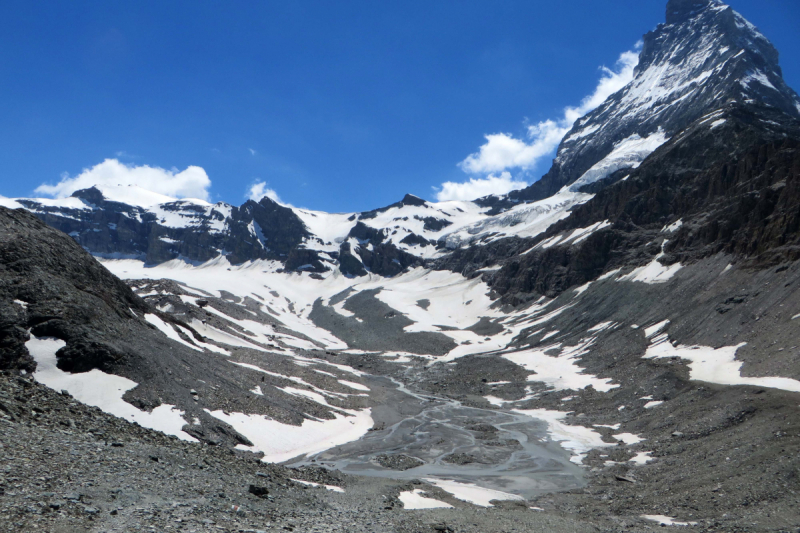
(413, 499)
(101, 390)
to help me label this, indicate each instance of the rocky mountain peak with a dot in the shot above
(410, 199)
(91, 195)
(705, 57)
(680, 10)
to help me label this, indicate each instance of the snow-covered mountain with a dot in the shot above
(129, 222)
(635, 312)
(704, 58)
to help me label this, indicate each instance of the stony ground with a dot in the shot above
(725, 457)
(66, 467)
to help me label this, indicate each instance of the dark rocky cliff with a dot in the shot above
(735, 188)
(52, 287)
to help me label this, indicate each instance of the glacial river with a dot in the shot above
(515, 456)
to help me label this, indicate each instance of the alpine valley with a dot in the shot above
(613, 348)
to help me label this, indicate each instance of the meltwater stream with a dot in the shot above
(494, 449)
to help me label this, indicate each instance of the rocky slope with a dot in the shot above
(728, 183)
(53, 289)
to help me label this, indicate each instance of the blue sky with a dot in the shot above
(338, 106)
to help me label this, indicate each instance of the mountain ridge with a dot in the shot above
(704, 58)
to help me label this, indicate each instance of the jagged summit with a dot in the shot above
(410, 199)
(705, 57)
(680, 10)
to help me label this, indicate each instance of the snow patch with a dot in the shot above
(413, 499)
(609, 274)
(334, 488)
(671, 228)
(666, 520)
(281, 442)
(715, 365)
(654, 271)
(469, 492)
(641, 458)
(548, 335)
(627, 153)
(655, 328)
(577, 439)
(494, 400)
(98, 389)
(356, 386)
(610, 426)
(580, 290)
(628, 438)
(167, 330)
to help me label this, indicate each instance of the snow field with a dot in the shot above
(98, 389)
(281, 442)
(471, 493)
(715, 365)
(413, 499)
(255, 277)
(524, 220)
(560, 372)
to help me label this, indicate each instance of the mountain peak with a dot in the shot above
(680, 10)
(706, 57)
(410, 199)
(93, 195)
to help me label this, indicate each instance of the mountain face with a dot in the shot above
(102, 332)
(704, 58)
(726, 184)
(615, 345)
(157, 232)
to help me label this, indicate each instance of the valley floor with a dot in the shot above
(71, 468)
(625, 405)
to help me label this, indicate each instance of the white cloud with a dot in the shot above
(502, 151)
(479, 187)
(259, 190)
(252, 152)
(190, 183)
